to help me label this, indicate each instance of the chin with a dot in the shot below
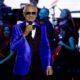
(31, 20)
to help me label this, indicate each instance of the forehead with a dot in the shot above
(43, 11)
(30, 9)
(64, 12)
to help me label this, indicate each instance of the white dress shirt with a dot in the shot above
(33, 31)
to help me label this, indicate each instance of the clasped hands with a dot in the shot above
(61, 43)
(49, 71)
(28, 29)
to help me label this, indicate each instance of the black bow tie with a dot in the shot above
(31, 23)
(34, 26)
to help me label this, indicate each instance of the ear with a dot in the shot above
(24, 15)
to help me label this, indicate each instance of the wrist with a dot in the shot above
(49, 66)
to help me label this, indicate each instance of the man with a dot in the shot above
(35, 3)
(30, 41)
(44, 18)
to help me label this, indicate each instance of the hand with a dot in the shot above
(1, 62)
(61, 43)
(28, 29)
(49, 71)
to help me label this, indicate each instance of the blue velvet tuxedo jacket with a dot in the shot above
(24, 55)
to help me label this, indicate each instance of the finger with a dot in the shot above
(47, 73)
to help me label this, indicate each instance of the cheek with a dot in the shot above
(33, 17)
(41, 15)
(28, 18)
(63, 15)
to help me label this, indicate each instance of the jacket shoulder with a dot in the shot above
(19, 25)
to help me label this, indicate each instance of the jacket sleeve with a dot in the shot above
(48, 49)
(46, 46)
(16, 38)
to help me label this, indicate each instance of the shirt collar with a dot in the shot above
(32, 23)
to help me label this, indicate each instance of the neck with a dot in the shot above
(30, 23)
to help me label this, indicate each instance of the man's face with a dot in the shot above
(6, 31)
(63, 14)
(43, 13)
(30, 14)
